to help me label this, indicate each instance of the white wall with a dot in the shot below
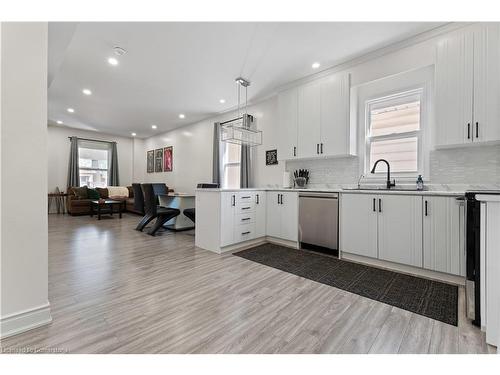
(193, 155)
(193, 150)
(23, 147)
(58, 157)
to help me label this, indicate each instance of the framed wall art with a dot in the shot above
(168, 159)
(159, 160)
(151, 161)
(272, 157)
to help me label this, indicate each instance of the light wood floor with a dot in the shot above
(115, 290)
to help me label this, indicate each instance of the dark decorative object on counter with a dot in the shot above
(159, 160)
(272, 157)
(151, 161)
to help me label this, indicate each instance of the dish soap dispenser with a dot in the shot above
(420, 183)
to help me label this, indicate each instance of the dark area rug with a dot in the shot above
(425, 297)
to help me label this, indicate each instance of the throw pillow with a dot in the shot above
(103, 192)
(93, 194)
(81, 192)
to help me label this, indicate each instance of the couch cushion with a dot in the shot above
(81, 192)
(93, 194)
(103, 192)
(118, 191)
(81, 202)
(130, 191)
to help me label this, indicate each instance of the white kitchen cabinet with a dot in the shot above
(309, 135)
(287, 124)
(335, 131)
(467, 86)
(227, 214)
(400, 229)
(442, 245)
(282, 215)
(486, 117)
(358, 224)
(260, 214)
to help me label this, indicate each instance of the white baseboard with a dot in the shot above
(14, 324)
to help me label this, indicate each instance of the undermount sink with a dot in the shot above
(383, 188)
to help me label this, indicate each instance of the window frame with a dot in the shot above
(419, 93)
(226, 163)
(88, 145)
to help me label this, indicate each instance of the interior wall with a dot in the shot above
(192, 150)
(23, 147)
(58, 156)
(193, 154)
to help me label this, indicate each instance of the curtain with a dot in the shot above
(216, 157)
(113, 179)
(73, 167)
(246, 167)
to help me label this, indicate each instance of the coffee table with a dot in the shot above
(106, 207)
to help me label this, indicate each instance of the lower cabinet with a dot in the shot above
(443, 250)
(243, 216)
(412, 230)
(358, 224)
(400, 229)
(282, 215)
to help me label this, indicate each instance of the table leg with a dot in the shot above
(120, 209)
(98, 212)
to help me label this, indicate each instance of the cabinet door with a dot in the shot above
(289, 216)
(358, 224)
(486, 125)
(400, 229)
(287, 124)
(334, 115)
(260, 214)
(442, 234)
(308, 125)
(227, 213)
(273, 217)
(454, 74)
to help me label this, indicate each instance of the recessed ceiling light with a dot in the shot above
(59, 122)
(113, 61)
(222, 101)
(153, 126)
(70, 110)
(87, 92)
(316, 65)
(133, 134)
(182, 115)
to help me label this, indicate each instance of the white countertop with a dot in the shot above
(457, 193)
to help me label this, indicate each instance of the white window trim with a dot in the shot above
(406, 81)
(379, 173)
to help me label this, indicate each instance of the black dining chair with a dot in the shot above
(190, 213)
(153, 211)
(138, 198)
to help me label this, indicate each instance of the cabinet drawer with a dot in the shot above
(244, 232)
(245, 208)
(245, 218)
(243, 198)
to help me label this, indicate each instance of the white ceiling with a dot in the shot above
(173, 68)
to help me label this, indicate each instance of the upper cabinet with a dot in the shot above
(468, 86)
(314, 119)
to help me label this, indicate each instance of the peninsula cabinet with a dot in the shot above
(314, 119)
(282, 215)
(443, 230)
(467, 86)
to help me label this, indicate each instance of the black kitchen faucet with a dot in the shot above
(389, 183)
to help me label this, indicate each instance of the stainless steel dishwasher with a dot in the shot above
(319, 221)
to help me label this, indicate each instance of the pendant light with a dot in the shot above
(241, 130)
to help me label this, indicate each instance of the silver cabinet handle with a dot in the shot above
(233, 200)
(245, 233)
(379, 205)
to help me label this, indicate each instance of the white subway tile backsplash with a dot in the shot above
(467, 167)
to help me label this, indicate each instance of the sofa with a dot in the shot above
(78, 203)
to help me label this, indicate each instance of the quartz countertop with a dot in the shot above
(348, 190)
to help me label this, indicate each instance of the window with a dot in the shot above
(93, 163)
(394, 132)
(231, 165)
